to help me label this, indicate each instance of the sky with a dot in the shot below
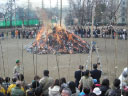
(37, 3)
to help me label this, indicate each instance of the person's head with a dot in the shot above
(14, 79)
(66, 92)
(97, 91)
(56, 83)
(72, 87)
(18, 83)
(1, 80)
(86, 91)
(62, 80)
(7, 79)
(86, 73)
(92, 94)
(105, 82)
(81, 67)
(116, 83)
(95, 66)
(35, 84)
(37, 78)
(38, 91)
(46, 73)
(21, 77)
(17, 62)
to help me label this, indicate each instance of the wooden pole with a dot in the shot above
(2, 57)
(60, 12)
(57, 62)
(93, 10)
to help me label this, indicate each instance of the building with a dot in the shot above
(121, 15)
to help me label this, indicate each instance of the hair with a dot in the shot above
(35, 84)
(67, 91)
(38, 91)
(95, 66)
(56, 82)
(36, 77)
(14, 80)
(1, 80)
(86, 90)
(87, 73)
(46, 73)
(21, 77)
(126, 93)
(72, 87)
(7, 79)
(62, 80)
(116, 83)
(92, 94)
(105, 82)
(81, 67)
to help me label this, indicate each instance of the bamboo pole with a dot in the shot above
(69, 67)
(57, 62)
(2, 57)
(61, 12)
(93, 10)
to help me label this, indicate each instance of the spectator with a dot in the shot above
(46, 82)
(115, 91)
(96, 74)
(2, 90)
(7, 82)
(104, 86)
(73, 88)
(54, 90)
(13, 85)
(78, 75)
(66, 92)
(86, 80)
(31, 91)
(97, 91)
(16, 91)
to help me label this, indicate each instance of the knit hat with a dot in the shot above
(97, 91)
(17, 61)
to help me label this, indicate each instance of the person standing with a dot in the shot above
(96, 74)
(17, 69)
(46, 82)
(78, 74)
(86, 81)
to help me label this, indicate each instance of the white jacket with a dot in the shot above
(54, 91)
(124, 80)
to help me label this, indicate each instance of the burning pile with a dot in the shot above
(58, 40)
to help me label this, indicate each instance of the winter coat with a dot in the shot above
(54, 91)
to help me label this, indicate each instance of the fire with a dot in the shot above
(59, 40)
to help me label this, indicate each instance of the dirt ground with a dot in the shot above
(112, 65)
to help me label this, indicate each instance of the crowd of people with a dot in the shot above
(20, 33)
(82, 31)
(100, 32)
(87, 83)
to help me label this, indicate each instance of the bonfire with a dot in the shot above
(58, 40)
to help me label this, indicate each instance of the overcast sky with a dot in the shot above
(37, 3)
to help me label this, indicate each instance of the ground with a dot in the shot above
(112, 65)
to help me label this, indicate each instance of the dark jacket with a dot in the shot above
(78, 75)
(96, 74)
(103, 90)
